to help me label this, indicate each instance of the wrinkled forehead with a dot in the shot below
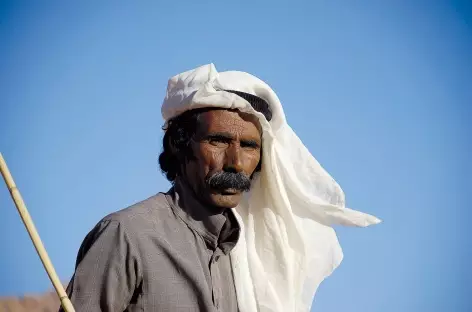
(231, 122)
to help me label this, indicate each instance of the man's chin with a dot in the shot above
(226, 199)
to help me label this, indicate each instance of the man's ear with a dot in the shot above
(173, 149)
(183, 155)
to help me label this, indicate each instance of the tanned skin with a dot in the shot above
(226, 141)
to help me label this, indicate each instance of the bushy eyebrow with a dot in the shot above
(227, 137)
(219, 135)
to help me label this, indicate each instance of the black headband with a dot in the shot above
(259, 105)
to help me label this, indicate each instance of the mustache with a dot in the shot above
(229, 180)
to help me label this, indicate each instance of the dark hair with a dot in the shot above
(176, 142)
(181, 129)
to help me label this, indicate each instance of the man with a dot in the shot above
(245, 225)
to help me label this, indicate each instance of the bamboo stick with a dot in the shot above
(33, 233)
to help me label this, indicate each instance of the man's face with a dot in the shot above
(226, 150)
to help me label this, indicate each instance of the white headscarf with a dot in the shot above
(287, 245)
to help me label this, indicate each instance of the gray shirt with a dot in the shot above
(166, 253)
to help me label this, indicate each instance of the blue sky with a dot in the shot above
(379, 91)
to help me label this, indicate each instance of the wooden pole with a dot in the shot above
(33, 233)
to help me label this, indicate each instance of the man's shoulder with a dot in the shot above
(134, 222)
(149, 209)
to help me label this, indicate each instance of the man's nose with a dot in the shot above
(233, 161)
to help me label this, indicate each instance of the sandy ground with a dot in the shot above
(47, 302)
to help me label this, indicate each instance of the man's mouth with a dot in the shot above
(230, 191)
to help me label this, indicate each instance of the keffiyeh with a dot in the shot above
(287, 245)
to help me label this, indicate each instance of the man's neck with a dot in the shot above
(202, 217)
(189, 195)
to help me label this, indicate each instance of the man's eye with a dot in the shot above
(249, 145)
(218, 141)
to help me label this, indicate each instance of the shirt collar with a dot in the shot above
(218, 229)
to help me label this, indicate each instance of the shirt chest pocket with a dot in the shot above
(178, 280)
